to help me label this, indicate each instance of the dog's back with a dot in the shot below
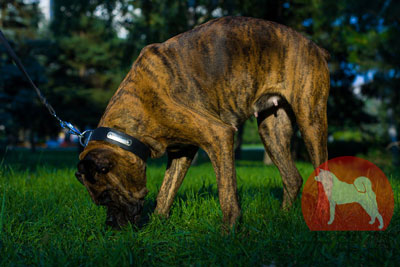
(224, 67)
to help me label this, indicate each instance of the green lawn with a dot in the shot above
(47, 218)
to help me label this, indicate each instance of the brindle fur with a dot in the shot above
(193, 91)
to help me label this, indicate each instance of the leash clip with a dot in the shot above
(70, 127)
(84, 138)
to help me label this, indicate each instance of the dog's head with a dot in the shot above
(115, 178)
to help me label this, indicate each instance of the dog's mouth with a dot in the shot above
(120, 214)
(118, 217)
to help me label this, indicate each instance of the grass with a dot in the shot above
(47, 218)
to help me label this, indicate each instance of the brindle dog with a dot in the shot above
(193, 91)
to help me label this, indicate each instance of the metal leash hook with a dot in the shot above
(70, 127)
(83, 137)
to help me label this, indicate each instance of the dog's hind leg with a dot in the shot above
(314, 129)
(312, 118)
(178, 163)
(275, 129)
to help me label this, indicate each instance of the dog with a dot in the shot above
(193, 91)
(339, 192)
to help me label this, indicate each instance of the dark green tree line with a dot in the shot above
(19, 106)
(80, 59)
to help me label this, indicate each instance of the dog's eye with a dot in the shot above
(104, 170)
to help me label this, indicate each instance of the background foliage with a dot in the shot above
(80, 56)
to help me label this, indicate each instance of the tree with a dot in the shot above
(20, 108)
(86, 62)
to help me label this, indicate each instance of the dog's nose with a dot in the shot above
(79, 176)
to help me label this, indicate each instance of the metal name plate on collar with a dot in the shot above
(118, 138)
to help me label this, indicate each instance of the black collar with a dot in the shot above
(120, 139)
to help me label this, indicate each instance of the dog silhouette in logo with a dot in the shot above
(339, 192)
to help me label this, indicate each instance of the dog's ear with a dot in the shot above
(87, 168)
(95, 162)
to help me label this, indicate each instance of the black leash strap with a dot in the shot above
(22, 69)
(16, 60)
(109, 135)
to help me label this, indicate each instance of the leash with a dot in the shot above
(83, 137)
(109, 135)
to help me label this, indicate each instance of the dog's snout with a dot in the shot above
(79, 176)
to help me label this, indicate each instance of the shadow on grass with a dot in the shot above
(148, 209)
(151, 203)
(22, 159)
(277, 193)
(208, 191)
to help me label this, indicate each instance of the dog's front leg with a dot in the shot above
(332, 206)
(221, 153)
(178, 164)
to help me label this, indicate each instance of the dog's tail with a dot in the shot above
(363, 185)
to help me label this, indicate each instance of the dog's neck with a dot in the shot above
(126, 113)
